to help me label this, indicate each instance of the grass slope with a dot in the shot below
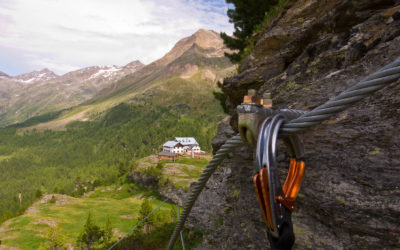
(180, 173)
(120, 203)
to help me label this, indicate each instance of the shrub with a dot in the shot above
(53, 199)
(38, 194)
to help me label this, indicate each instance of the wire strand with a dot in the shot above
(381, 78)
(116, 243)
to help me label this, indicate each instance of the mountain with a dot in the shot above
(209, 41)
(196, 62)
(36, 76)
(40, 92)
(2, 74)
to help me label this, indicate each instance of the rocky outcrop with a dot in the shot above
(350, 196)
(144, 180)
(176, 195)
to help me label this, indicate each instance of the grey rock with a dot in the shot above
(350, 195)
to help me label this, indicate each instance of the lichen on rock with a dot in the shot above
(350, 195)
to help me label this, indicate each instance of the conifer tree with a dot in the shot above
(108, 232)
(91, 233)
(55, 239)
(245, 16)
(145, 209)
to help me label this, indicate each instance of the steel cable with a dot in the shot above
(199, 185)
(381, 78)
(140, 222)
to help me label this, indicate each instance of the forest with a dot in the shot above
(89, 154)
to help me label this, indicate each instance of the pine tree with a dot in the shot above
(38, 194)
(55, 240)
(90, 234)
(145, 209)
(6, 215)
(245, 16)
(108, 232)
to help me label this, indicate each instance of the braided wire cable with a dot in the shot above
(221, 154)
(290, 114)
(381, 78)
(137, 224)
(302, 120)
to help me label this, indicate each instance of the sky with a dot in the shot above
(65, 35)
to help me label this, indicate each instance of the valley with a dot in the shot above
(88, 151)
(120, 203)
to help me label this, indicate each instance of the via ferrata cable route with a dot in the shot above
(260, 126)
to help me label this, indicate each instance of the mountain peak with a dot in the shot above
(45, 70)
(3, 74)
(206, 39)
(135, 65)
(34, 76)
(204, 32)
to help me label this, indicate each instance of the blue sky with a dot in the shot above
(65, 35)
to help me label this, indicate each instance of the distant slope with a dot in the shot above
(28, 230)
(209, 40)
(196, 63)
(40, 92)
(95, 151)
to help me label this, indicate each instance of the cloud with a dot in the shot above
(65, 35)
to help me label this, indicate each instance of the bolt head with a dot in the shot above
(251, 92)
(267, 95)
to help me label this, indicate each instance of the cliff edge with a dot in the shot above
(350, 198)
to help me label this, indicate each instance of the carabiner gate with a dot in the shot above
(277, 202)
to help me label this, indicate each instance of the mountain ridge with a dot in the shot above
(204, 38)
(186, 60)
(27, 97)
(39, 92)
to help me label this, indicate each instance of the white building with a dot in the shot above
(190, 144)
(182, 145)
(173, 147)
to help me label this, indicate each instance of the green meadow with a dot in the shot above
(120, 203)
(180, 173)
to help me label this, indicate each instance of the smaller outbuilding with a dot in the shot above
(169, 156)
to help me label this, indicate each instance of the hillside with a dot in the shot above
(195, 63)
(208, 40)
(68, 213)
(40, 92)
(120, 202)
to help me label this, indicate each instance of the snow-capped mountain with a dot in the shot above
(36, 76)
(38, 92)
(2, 74)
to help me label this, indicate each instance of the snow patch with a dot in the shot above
(28, 81)
(106, 73)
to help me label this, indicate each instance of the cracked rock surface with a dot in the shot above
(350, 197)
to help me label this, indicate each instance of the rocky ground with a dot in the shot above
(350, 198)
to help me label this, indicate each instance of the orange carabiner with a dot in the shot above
(292, 184)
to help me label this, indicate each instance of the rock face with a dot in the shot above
(350, 197)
